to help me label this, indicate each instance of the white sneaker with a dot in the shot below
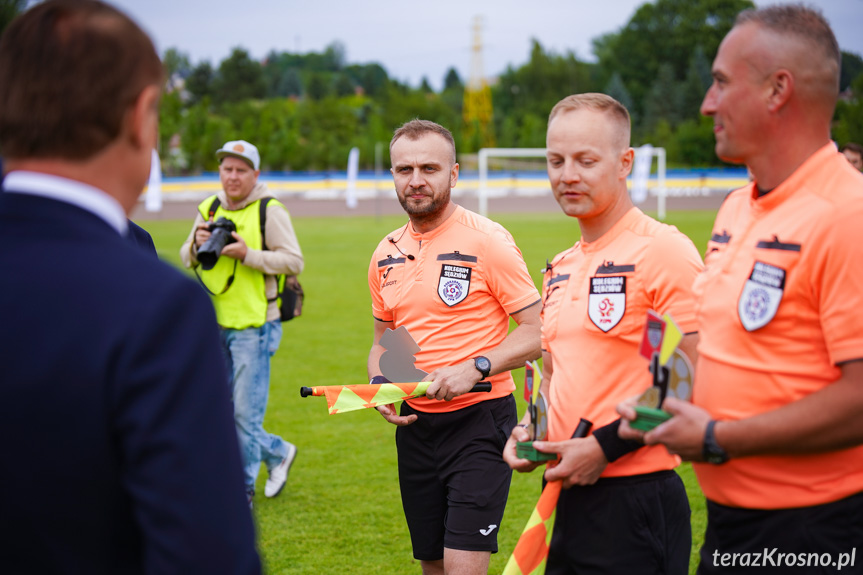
(279, 473)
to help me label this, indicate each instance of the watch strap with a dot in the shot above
(711, 450)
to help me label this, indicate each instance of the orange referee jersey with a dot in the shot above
(780, 305)
(595, 302)
(455, 297)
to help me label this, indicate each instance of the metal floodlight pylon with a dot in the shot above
(477, 111)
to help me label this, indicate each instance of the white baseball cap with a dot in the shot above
(243, 150)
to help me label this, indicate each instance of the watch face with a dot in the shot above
(483, 365)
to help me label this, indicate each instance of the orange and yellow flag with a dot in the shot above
(531, 551)
(342, 398)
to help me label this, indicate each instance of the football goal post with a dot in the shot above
(640, 174)
(485, 154)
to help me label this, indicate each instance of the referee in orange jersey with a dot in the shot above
(775, 426)
(453, 279)
(623, 508)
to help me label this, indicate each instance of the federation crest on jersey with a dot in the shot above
(606, 302)
(761, 296)
(454, 284)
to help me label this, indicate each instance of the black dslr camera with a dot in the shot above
(220, 236)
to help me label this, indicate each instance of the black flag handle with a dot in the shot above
(582, 429)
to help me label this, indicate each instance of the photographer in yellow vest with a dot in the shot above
(240, 261)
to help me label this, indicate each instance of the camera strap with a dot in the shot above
(287, 288)
(210, 213)
(227, 284)
(213, 207)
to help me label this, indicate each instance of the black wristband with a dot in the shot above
(612, 445)
(379, 379)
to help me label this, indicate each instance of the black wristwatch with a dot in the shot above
(483, 365)
(711, 450)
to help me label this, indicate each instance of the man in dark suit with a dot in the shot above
(119, 454)
(141, 238)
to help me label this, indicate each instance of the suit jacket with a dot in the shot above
(141, 238)
(119, 453)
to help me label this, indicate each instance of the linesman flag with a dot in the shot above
(342, 398)
(531, 551)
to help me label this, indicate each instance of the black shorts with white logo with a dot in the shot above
(819, 539)
(454, 482)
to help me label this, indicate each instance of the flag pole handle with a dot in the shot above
(481, 386)
(307, 391)
(582, 429)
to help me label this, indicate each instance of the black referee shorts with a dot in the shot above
(636, 525)
(824, 538)
(453, 480)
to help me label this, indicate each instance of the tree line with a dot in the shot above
(306, 111)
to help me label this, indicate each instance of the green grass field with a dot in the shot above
(341, 511)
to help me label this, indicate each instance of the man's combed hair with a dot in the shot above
(597, 102)
(417, 128)
(69, 70)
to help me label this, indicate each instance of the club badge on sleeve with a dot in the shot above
(454, 284)
(606, 303)
(761, 296)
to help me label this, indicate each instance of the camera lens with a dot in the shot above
(220, 236)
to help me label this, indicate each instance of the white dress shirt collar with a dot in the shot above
(72, 192)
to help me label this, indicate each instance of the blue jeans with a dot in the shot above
(248, 352)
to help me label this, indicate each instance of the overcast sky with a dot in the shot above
(410, 39)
